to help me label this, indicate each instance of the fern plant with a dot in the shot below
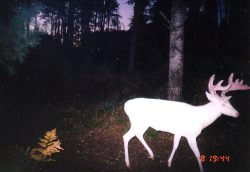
(18, 159)
(49, 145)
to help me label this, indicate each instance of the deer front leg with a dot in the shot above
(175, 146)
(193, 144)
(131, 133)
(140, 137)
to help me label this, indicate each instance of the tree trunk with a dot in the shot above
(102, 25)
(220, 9)
(134, 36)
(52, 24)
(71, 24)
(176, 50)
(64, 31)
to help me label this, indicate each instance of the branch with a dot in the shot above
(170, 24)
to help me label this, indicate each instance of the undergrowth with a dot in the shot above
(102, 112)
(16, 158)
(107, 116)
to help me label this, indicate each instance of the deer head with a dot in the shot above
(222, 102)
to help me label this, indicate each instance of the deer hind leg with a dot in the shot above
(130, 134)
(175, 146)
(193, 144)
(140, 137)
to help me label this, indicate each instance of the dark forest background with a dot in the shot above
(80, 65)
(85, 37)
(87, 34)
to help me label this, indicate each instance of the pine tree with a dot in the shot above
(17, 36)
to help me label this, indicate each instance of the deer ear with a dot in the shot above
(209, 96)
(227, 98)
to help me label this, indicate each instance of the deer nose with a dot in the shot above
(237, 114)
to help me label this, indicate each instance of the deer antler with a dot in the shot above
(213, 88)
(237, 85)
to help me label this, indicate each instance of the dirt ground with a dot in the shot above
(98, 151)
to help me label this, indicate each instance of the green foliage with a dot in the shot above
(17, 37)
(107, 120)
(152, 134)
(16, 158)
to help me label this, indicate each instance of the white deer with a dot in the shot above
(180, 119)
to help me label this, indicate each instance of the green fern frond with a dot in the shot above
(26, 153)
(49, 160)
(17, 159)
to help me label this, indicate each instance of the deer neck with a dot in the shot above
(210, 112)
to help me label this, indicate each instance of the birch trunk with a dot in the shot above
(176, 50)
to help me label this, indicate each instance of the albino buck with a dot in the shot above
(179, 118)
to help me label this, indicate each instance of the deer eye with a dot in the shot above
(223, 104)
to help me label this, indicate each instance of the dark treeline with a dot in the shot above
(215, 32)
(86, 37)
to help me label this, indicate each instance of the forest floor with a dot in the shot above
(101, 149)
(93, 140)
